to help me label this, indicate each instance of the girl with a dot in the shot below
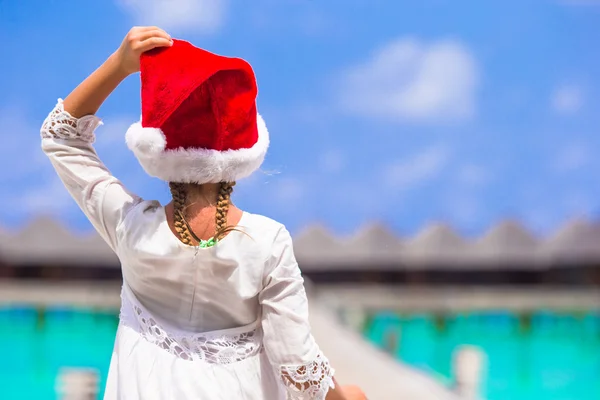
(213, 302)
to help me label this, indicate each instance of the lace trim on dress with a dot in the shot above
(212, 347)
(309, 381)
(59, 124)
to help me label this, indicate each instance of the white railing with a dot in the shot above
(77, 384)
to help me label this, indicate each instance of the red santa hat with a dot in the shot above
(199, 120)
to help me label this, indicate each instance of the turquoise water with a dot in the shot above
(543, 356)
(35, 344)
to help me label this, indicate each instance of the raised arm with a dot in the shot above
(68, 134)
(87, 98)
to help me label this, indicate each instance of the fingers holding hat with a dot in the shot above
(148, 38)
(137, 41)
(154, 36)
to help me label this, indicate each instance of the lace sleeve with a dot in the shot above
(309, 381)
(61, 125)
(289, 344)
(67, 141)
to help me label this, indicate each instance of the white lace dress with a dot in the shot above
(226, 322)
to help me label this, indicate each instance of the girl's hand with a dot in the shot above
(136, 42)
(353, 392)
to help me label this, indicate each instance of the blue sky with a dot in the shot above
(406, 113)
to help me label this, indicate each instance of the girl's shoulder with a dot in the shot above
(260, 222)
(147, 223)
(261, 226)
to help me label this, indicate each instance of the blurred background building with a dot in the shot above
(435, 162)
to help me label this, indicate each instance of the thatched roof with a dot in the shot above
(508, 244)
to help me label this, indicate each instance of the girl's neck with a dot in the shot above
(202, 219)
(201, 211)
(201, 198)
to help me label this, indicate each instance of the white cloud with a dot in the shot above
(411, 80)
(197, 16)
(567, 99)
(419, 168)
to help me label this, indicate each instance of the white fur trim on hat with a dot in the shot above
(195, 165)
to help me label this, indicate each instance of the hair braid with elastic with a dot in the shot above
(178, 193)
(223, 202)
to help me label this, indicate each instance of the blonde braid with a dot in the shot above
(178, 193)
(223, 202)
